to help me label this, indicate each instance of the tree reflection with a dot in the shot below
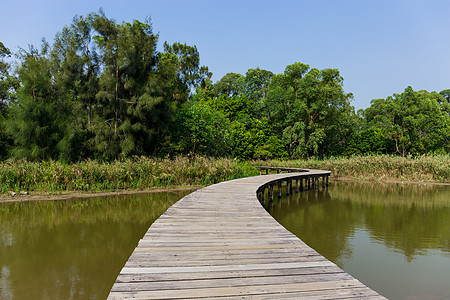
(410, 219)
(72, 249)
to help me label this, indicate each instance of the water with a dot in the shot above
(72, 249)
(395, 238)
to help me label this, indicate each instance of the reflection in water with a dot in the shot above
(72, 249)
(393, 237)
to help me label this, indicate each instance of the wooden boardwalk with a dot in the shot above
(219, 242)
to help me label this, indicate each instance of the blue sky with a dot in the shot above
(380, 47)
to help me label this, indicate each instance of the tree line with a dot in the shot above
(101, 90)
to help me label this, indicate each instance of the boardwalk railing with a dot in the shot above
(219, 242)
(279, 170)
(304, 181)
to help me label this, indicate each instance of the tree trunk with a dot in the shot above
(117, 101)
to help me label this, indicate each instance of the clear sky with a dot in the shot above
(379, 46)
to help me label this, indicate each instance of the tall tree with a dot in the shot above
(414, 121)
(256, 86)
(231, 84)
(189, 72)
(307, 106)
(75, 69)
(124, 100)
(8, 86)
(200, 130)
(32, 119)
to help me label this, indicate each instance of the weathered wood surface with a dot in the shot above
(279, 169)
(219, 242)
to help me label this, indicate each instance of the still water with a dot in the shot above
(72, 249)
(395, 238)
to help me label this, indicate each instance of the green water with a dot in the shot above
(395, 238)
(72, 249)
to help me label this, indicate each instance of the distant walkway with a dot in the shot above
(219, 242)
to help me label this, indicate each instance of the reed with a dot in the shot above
(427, 168)
(147, 173)
(132, 173)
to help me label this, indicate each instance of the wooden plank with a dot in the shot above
(220, 243)
(237, 291)
(219, 262)
(228, 282)
(149, 270)
(350, 293)
(160, 277)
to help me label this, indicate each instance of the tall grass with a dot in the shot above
(144, 173)
(133, 173)
(434, 168)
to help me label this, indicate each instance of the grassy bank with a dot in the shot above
(384, 167)
(135, 173)
(146, 173)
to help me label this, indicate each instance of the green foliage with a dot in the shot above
(32, 120)
(144, 173)
(368, 142)
(310, 109)
(200, 130)
(103, 91)
(189, 71)
(414, 122)
(125, 97)
(131, 173)
(255, 140)
(235, 108)
(231, 84)
(434, 168)
(8, 87)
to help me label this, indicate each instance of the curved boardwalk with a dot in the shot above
(219, 242)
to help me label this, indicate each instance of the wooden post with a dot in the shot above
(323, 181)
(301, 184)
(309, 182)
(270, 192)
(326, 180)
(288, 190)
(297, 186)
(267, 171)
(279, 189)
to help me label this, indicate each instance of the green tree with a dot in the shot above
(310, 110)
(414, 122)
(231, 84)
(32, 119)
(75, 70)
(200, 130)
(126, 98)
(8, 86)
(8, 83)
(367, 142)
(256, 86)
(236, 107)
(189, 72)
(255, 140)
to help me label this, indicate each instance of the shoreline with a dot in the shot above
(76, 195)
